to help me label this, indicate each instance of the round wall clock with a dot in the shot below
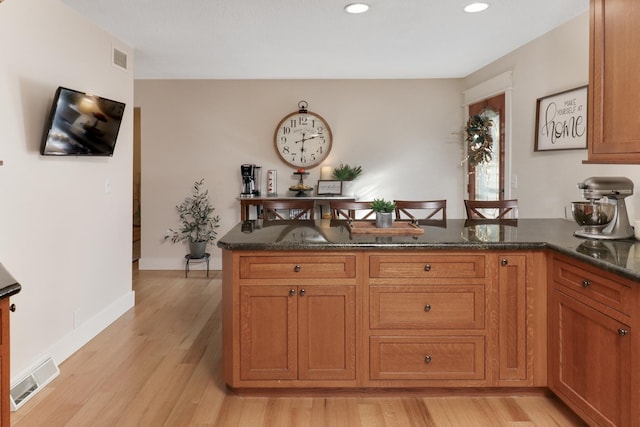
(303, 139)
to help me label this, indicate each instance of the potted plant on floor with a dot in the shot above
(197, 222)
(384, 212)
(347, 174)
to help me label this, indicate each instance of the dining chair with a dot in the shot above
(349, 209)
(288, 209)
(479, 209)
(416, 210)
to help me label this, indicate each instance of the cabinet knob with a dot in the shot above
(292, 292)
(427, 359)
(585, 283)
(302, 292)
(622, 332)
(297, 268)
(12, 307)
(427, 267)
(427, 308)
(504, 262)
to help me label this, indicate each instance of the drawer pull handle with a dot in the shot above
(427, 308)
(302, 292)
(297, 268)
(504, 262)
(585, 283)
(292, 292)
(427, 267)
(12, 308)
(622, 332)
(427, 359)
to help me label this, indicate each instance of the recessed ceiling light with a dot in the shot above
(476, 7)
(356, 8)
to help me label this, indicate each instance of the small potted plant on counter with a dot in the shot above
(384, 212)
(197, 222)
(347, 174)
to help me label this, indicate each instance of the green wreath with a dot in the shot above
(479, 139)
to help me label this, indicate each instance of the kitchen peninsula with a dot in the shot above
(521, 304)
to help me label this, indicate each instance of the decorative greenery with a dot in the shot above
(381, 205)
(347, 173)
(479, 139)
(197, 223)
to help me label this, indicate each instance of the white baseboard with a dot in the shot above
(147, 263)
(78, 337)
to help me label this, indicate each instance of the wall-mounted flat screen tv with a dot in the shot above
(81, 124)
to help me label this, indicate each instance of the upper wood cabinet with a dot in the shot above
(614, 70)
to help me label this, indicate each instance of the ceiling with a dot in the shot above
(316, 39)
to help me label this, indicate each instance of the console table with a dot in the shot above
(247, 202)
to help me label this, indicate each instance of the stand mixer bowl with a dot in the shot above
(593, 216)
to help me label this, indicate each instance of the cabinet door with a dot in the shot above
(327, 332)
(613, 76)
(268, 333)
(590, 361)
(512, 325)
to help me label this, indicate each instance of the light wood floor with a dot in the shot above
(160, 365)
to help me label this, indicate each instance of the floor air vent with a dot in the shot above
(32, 383)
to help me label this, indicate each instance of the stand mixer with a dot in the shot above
(608, 225)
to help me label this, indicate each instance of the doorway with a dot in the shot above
(136, 185)
(487, 180)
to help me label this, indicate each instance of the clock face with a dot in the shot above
(303, 139)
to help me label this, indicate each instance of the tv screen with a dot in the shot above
(81, 124)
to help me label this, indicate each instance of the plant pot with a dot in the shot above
(348, 188)
(197, 249)
(384, 219)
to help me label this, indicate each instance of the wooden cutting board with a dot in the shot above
(398, 228)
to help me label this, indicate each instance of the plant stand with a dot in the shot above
(189, 258)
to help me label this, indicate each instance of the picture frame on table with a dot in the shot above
(328, 187)
(561, 121)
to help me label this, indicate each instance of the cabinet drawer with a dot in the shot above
(426, 266)
(427, 358)
(448, 307)
(599, 288)
(298, 267)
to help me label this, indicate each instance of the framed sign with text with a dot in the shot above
(561, 121)
(329, 188)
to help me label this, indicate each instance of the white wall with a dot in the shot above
(63, 238)
(556, 61)
(404, 133)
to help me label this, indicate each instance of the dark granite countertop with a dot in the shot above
(8, 285)
(618, 256)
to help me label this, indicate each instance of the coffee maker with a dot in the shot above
(615, 190)
(250, 180)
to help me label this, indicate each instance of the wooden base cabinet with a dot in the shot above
(455, 319)
(5, 418)
(289, 319)
(297, 333)
(384, 319)
(591, 341)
